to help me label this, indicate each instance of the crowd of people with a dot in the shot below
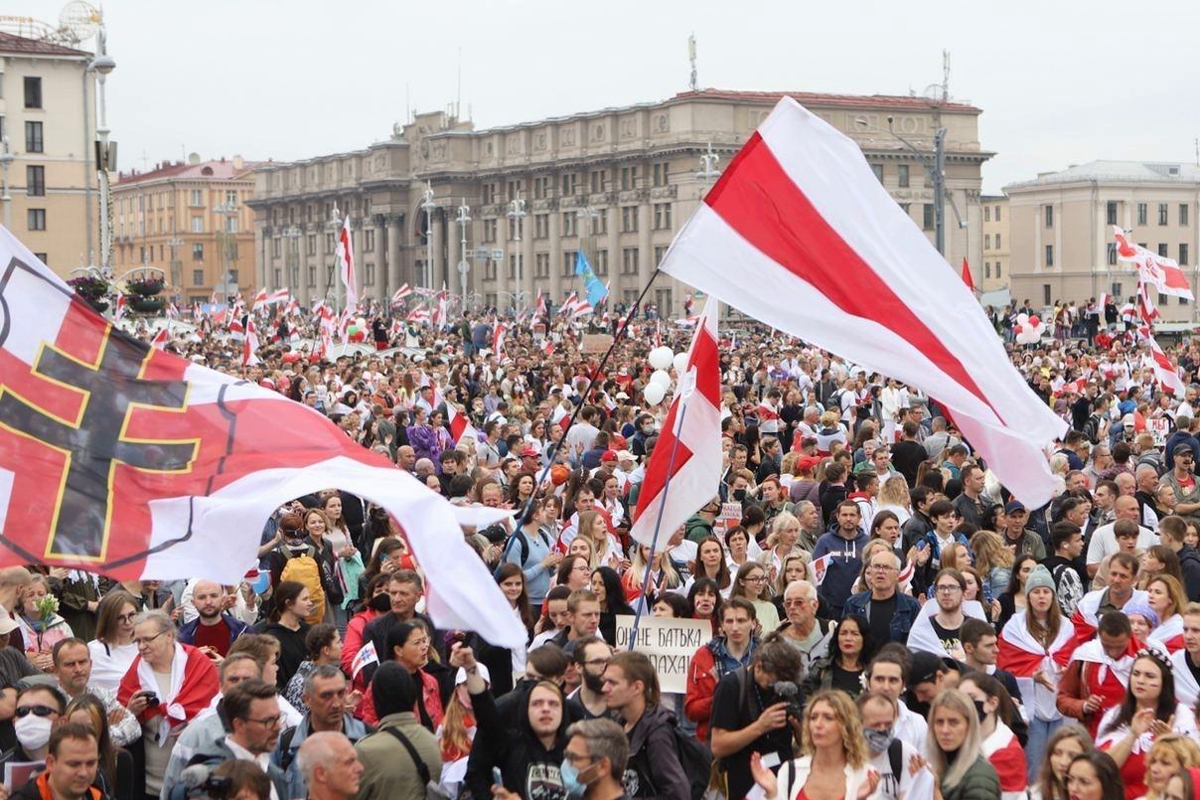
(887, 621)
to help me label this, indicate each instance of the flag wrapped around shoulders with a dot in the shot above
(129, 461)
(922, 636)
(1003, 751)
(193, 684)
(1168, 634)
(1086, 619)
(1024, 656)
(1187, 690)
(690, 438)
(799, 221)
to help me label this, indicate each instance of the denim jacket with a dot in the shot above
(907, 609)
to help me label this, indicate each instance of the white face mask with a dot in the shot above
(33, 732)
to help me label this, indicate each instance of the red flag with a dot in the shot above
(124, 460)
(161, 338)
(966, 275)
(1159, 271)
(799, 220)
(688, 453)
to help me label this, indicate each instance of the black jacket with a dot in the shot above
(1189, 563)
(507, 741)
(654, 768)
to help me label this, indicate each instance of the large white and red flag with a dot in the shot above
(1159, 271)
(345, 260)
(129, 461)
(800, 234)
(1147, 309)
(498, 335)
(1164, 371)
(279, 296)
(401, 293)
(685, 468)
(259, 300)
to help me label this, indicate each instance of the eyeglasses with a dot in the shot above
(267, 722)
(39, 711)
(575, 758)
(596, 662)
(882, 567)
(148, 639)
(126, 617)
(949, 588)
(760, 579)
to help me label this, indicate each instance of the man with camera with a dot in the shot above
(752, 707)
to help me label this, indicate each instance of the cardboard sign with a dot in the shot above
(1160, 429)
(668, 643)
(596, 343)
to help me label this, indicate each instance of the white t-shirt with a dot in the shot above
(1104, 542)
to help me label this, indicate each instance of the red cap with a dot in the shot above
(808, 463)
(530, 452)
(608, 455)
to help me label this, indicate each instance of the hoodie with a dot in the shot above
(508, 742)
(842, 568)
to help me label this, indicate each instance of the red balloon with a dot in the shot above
(1034, 321)
(1019, 329)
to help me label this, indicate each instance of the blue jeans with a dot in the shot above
(1040, 732)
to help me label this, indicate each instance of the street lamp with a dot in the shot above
(102, 64)
(428, 206)
(227, 211)
(292, 234)
(516, 213)
(936, 173)
(335, 226)
(6, 159)
(463, 219)
(708, 162)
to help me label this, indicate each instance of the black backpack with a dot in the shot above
(695, 758)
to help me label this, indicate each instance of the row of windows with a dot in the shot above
(1143, 214)
(1184, 254)
(987, 269)
(987, 241)
(597, 181)
(154, 201)
(902, 179)
(369, 274)
(990, 211)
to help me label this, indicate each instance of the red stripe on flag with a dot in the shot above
(766, 208)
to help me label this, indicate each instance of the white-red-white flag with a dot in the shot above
(1146, 307)
(540, 304)
(419, 315)
(279, 296)
(685, 468)
(581, 309)
(1164, 370)
(401, 293)
(498, 335)
(798, 220)
(120, 310)
(1159, 271)
(568, 305)
(442, 315)
(250, 344)
(345, 261)
(161, 338)
(260, 299)
(124, 460)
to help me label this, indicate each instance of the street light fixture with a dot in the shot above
(463, 219)
(106, 156)
(936, 172)
(292, 234)
(516, 213)
(428, 206)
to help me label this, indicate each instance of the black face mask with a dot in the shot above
(980, 710)
(381, 603)
(739, 495)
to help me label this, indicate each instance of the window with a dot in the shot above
(278, 278)
(987, 269)
(997, 213)
(1049, 214)
(541, 265)
(197, 224)
(987, 213)
(197, 277)
(998, 275)
(629, 261)
(662, 299)
(598, 181)
(902, 175)
(541, 226)
(601, 265)
(1141, 213)
(35, 219)
(629, 222)
(629, 176)
(231, 197)
(927, 221)
(1116, 289)
(541, 187)
(310, 244)
(1183, 254)
(878, 170)
(1049, 254)
(568, 263)
(1162, 250)
(231, 224)
(42, 257)
(1112, 254)
(1183, 213)
(660, 250)
(600, 223)
(196, 198)
(33, 138)
(1111, 212)
(662, 216)
(1162, 213)
(35, 181)
(312, 275)
(998, 241)
(569, 227)
(33, 92)
(489, 230)
(569, 181)
(489, 193)
(987, 241)
(1045, 294)
(198, 252)
(330, 243)
(661, 173)
(368, 241)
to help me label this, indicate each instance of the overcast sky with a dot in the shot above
(1058, 82)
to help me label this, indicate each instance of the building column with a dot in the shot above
(525, 284)
(556, 250)
(393, 254)
(645, 247)
(322, 258)
(452, 254)
(437, 268)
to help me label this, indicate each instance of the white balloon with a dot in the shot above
(1022, 319)
(662, 378)
(660, 357)
(654, 394)
(680, 363)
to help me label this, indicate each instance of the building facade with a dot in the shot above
(1061, 229)
(191, 220)
(617, 183)
(47, 114)
(997, 262)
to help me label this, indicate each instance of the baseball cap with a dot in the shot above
(625, 455)
(1182, 447)
(1014, 506)
(807, 463)
(925, 668)
(608, 455)
(530, 451)
(7, 625)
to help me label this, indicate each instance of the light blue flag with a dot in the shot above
(595, 290)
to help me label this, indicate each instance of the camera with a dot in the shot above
(198, 781)
(152, 700)
(789, 693)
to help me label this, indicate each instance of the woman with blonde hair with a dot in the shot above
(795, 568)
(782, 541)
(955, 750)
(586, 547)
(1168, 755)
(1066, 743)
(894, 497)
(833, 762)
(1166, 597)
(993, 560)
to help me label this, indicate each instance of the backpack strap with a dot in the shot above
(422, 770)
(285, 748)
(896, 758)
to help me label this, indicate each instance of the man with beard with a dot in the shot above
(591, 657)
(214, 629)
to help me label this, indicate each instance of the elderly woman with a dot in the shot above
(167, 685)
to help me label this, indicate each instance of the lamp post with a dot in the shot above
(334, 226)
(936, 172)
(292, 234)
(428, 206)
(102, 64)
(516, 213)
(463, 219)
(226, 212)
(708, 166)
(6, 159)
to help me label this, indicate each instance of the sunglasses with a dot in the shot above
(41, 711)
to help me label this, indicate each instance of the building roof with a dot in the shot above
(912, 102)
(11, 44)
(1116, 172)
(217, 170)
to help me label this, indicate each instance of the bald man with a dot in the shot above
(214, 629)
(330, 766)
(1104, 540)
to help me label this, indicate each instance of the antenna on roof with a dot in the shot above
(1197, 142)
(458, 99)
(945, 76)
(692, 58)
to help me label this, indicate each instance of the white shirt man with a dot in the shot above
(1104, 540)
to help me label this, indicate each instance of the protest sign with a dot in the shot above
(668, 643)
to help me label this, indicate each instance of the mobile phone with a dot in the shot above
(497, 778)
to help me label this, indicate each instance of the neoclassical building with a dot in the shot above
(617, 182)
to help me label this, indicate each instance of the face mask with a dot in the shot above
(570, 779)
(878, 741)
(739, 495)
(980, 710)
(33, 732)
(381, 603)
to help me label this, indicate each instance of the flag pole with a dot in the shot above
(527, 511)
(662, 506)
